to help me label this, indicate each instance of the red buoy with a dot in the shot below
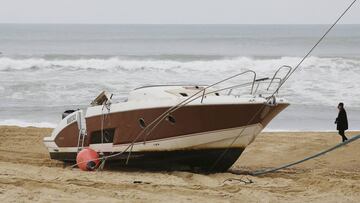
(87, 159)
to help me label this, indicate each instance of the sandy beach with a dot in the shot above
(27, 174)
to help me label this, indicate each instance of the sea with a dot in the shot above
(48, 68)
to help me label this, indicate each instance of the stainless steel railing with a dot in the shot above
(255, 82)
(229, 78)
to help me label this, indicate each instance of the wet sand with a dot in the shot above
(27, 174)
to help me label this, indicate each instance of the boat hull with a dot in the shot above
(199, 137)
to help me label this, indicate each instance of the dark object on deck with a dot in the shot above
(66, 113)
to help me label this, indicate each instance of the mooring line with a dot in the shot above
(265, 171)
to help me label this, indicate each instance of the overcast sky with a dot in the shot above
(177, 11)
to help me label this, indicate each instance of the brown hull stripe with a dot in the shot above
(188, 120)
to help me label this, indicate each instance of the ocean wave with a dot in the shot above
(319, 80)
(130, 64)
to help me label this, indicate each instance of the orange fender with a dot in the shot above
(87, 159)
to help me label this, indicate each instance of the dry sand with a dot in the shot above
(27, 174)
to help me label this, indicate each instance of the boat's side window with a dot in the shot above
(107, 136)
(183, 94)
(142, 123)
(171, 119)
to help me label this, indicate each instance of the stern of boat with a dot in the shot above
(67, 133)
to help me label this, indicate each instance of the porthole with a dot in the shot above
(171, 119)
(142, 123)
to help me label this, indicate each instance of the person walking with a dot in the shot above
(342, 122)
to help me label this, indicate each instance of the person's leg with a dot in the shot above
(345, 136)
(342, 133)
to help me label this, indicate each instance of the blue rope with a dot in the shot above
(261, 172)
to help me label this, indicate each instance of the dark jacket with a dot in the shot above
(341, 120)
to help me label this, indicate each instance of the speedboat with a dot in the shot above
(186, 127)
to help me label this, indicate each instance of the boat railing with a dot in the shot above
(289, 68)
(229, 78)
(254, 83)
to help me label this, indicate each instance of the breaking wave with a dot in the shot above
(319, 81)
(219, 64)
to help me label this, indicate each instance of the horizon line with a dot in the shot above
(77, 23)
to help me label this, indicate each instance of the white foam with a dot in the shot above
(319, 81)
(20, 123)
(224, 64)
